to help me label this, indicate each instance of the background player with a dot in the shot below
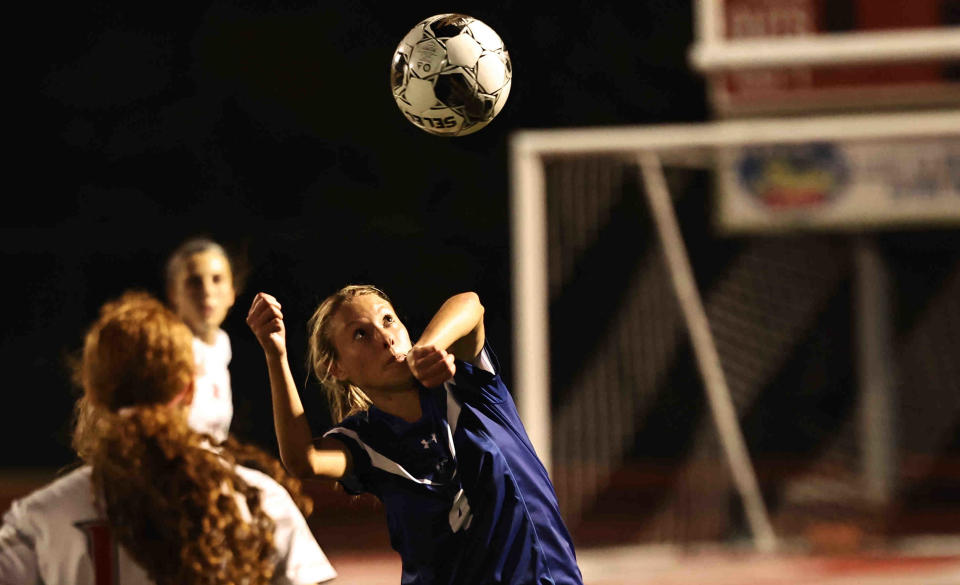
(182, 511)
(431, 430)
(200, 288)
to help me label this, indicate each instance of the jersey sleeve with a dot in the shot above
(18, 557)
(487, 360)
(300, 559)
(479, 380)
(352, 481)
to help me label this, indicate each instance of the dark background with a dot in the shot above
(270, 127)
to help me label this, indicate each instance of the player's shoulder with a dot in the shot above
(220, 351)
(480, 381)
(274, 498)
(68, 486)
(68, 494)
(357, 423)
(260, 480)
(303, 561)
(222, 344)
(484, 364)
(360, 432)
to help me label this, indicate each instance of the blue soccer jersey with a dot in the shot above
(468, 501)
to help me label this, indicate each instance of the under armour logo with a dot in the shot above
(426, 442)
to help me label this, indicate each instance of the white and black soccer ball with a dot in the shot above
(451, 75)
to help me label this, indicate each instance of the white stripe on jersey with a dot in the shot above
(484, 362)
(384, 463)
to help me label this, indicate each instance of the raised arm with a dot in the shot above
(297, 451)
(456, 330)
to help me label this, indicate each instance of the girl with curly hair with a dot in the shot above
(156, 502)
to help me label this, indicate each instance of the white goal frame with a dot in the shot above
(650, 145)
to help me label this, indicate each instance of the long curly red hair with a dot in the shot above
(176, 504)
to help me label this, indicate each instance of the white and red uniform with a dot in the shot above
(56, 535)
(212, 407)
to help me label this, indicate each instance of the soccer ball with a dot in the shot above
(451, 75)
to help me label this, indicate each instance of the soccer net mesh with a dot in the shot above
(634, 447)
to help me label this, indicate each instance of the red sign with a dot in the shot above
(813, 88)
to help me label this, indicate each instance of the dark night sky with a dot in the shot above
(270, 126)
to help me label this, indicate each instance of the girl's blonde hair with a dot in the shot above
(343, 397)
(172, 502)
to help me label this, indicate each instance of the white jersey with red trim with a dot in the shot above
(56, 535)
(212, 407)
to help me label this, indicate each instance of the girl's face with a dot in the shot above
(371, 344)
(202, 293)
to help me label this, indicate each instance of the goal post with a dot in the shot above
(715, 384)
(668, 364)
(710, 147)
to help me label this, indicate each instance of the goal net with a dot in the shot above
(743, 329)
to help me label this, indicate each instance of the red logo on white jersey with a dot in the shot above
(102, 549)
